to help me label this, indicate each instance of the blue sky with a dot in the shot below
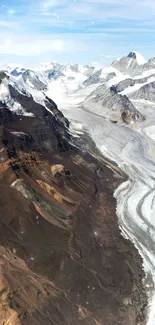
(77, 31)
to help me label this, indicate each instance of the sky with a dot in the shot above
(75, 31)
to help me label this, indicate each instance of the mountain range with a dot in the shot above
(119, 93)
(63, 259)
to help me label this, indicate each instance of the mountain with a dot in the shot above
(130, 64)
(150, 64)
(118, 94)
(69, 70)
(107, 91)
(16, 72)
(100, 76)
(65, 132)
(138, 57)
(147, 92)
(112, 106)
(63, 259)
(35, 79)
(128, 85)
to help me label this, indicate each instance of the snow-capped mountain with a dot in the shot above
(138, 57)
(65, 78)
(130, 85)
(112, 92)
(113, 106)
(130, 64)
(150, 64)
(35, 79)
(70, 70)
(17, 95)
(101, 76)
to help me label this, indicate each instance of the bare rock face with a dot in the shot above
(129, 113)
(3, 75)
(128, 117)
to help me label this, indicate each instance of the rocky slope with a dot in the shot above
(62, 257)
(147, 92)
(111, 105)
(126, 83)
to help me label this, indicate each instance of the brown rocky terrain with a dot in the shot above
(63, 260)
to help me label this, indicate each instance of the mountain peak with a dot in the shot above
(135, 55)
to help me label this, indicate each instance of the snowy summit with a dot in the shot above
(135, 55)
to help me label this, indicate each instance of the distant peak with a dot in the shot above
(137, 56)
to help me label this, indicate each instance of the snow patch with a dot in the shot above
(4, 91)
